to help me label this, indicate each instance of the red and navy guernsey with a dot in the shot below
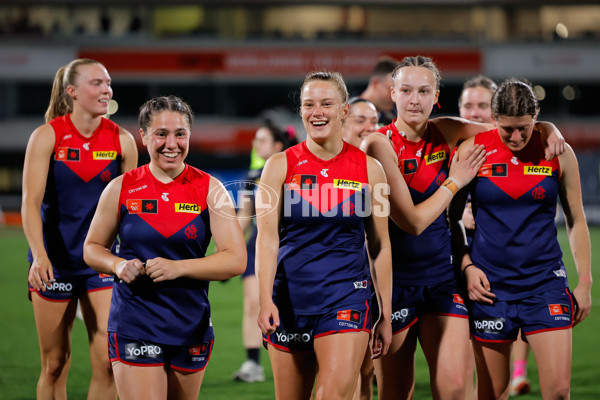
(322, 260)
(79, 170)
(514, 204)
(168, 220)
(424, 259)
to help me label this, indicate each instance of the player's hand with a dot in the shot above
(583, 303)
(382, 337)
(161, 269)
(41, 274)
(467, 217)
(478, 286)
(130, 270)
(555, 142)
(465, 167)
(268, 318)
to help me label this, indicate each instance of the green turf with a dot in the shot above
(19, 354)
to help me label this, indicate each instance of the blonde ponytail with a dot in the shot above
(60, 101)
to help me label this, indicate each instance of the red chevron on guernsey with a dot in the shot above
(527, 169)
(420, 162)
(166, 214)
(81, 154)
(325, 191)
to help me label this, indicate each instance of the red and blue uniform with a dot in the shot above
(515, 243)
(322, 266)
(169, 220)
(423, 259)
(514, 203)
(424, 277)
(79, 170)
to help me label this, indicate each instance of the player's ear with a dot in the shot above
(143, 135)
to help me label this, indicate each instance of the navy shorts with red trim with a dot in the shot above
(66, 289)
(500, 322)
(298, 332)
(409, 303)
(141, 353)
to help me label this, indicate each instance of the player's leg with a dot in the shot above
(553, 351)
(493, 369)
(251, 370)
(519, 384)
(364, 386)
(392, 384)
(293, 373)
(339, 358)
(446, 345)
(471, 374)
(140, 382)
(95, 306)
(54, 323)
(184, 385)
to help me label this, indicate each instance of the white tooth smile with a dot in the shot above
(170, 155)
(319, 123)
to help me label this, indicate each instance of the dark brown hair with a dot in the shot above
(163, 103)
(514, 98)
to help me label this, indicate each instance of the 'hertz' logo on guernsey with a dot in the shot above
(187, 208)
(435, 157)
(537, 170)
(346, 184)
(105, 155)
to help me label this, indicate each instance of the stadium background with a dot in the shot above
(237, 62)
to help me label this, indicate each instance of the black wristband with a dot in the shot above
(468, 265)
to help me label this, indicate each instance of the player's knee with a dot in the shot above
(453, 389)
(561, 390)
(333, 390)
(53, 368)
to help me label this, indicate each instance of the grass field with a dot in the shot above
(19, 354)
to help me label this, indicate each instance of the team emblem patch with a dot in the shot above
(349, 315)
(142, 206)
(558, 309)
(495, 170)
(306, 182)
(67, 154)
(199, 349)
(408, 166)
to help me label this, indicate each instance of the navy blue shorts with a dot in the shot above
(66, 289)
(250, 266)
(500, 322)
(298, 332)
(141, 353)
(411, 302)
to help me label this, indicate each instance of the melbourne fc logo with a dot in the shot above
(539, 193)
(441, 178)
(191, 232)
(348, 207)
(105, 176)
